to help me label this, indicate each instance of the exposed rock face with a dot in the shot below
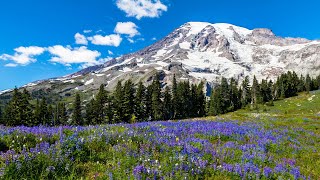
(199, 51)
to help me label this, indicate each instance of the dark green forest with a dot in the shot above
(130, 103)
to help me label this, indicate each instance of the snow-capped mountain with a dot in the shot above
(199, 51)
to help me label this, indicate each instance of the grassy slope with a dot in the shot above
(301, 115)
(302, 111)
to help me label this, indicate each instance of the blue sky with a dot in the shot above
(37, 38)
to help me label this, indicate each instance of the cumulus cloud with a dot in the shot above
(127, 28)
(142, 8)
(109, 40)
(80, 39)
(68, 55)
(23, 55)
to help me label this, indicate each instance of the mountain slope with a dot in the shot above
(197, 51)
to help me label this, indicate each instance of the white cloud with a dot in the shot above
(109, 40)
(131, 40)
(142, 8)
(11, 65)
(99, 61)
(23, 55)
(110, 52)
(80, 39)
(128, 28)
(87, 31)
(68, 55)
(154, 39)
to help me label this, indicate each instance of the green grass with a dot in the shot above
(302, 111)
(297, 113)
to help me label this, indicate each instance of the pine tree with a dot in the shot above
(13, 114)
(215, 107)
(100, 106)
(76, 115)
(301, 84)
(225, 95)
(117, 103)
(128, 101)
(140, 102)
(90, 113)
(36, 114)
(1, 116)
(156, 106)
(308, 83)
(60, 114)
(234, 94)
(26, 109)
(50, 120)
(246, 92)
(256, 94)
(44, 115)
(201, 101)
(148, 96)
(174, 97)
(167, 105)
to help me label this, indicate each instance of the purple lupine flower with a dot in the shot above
(280, 168)
(295, 172)
(267, 171)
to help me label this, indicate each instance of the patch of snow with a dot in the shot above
(185, 45)
(4, 91)
(161, 63)
(159, 68)
(99, 75)
(89, 82)
(126, 69)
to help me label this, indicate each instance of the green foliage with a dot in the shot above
(77, 115)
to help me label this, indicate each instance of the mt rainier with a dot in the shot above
(198, 51)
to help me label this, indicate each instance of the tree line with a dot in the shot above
(228, 96)
(130, 103)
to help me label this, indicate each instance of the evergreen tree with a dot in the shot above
(1, 116)
(140, 102)
(156, 106)
(50, 120)
(167, 105)
(128, 101)
(90, 113)
(308, 84)
(117, 103)
(246, 92)
(301, 85)
(13, 114)
(256, 94)
(225, 95)
(175, 100)
(36, 114)
(234, 95)
(60, 114)
(200, 101)
(215, 107)
(148, 96)
(44, 114)
(76, 114)
(100, 106)
(26, 109)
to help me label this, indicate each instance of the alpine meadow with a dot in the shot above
(146, 89)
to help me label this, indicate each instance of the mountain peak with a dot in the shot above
(200, 51)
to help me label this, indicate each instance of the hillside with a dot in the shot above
(300, 111)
